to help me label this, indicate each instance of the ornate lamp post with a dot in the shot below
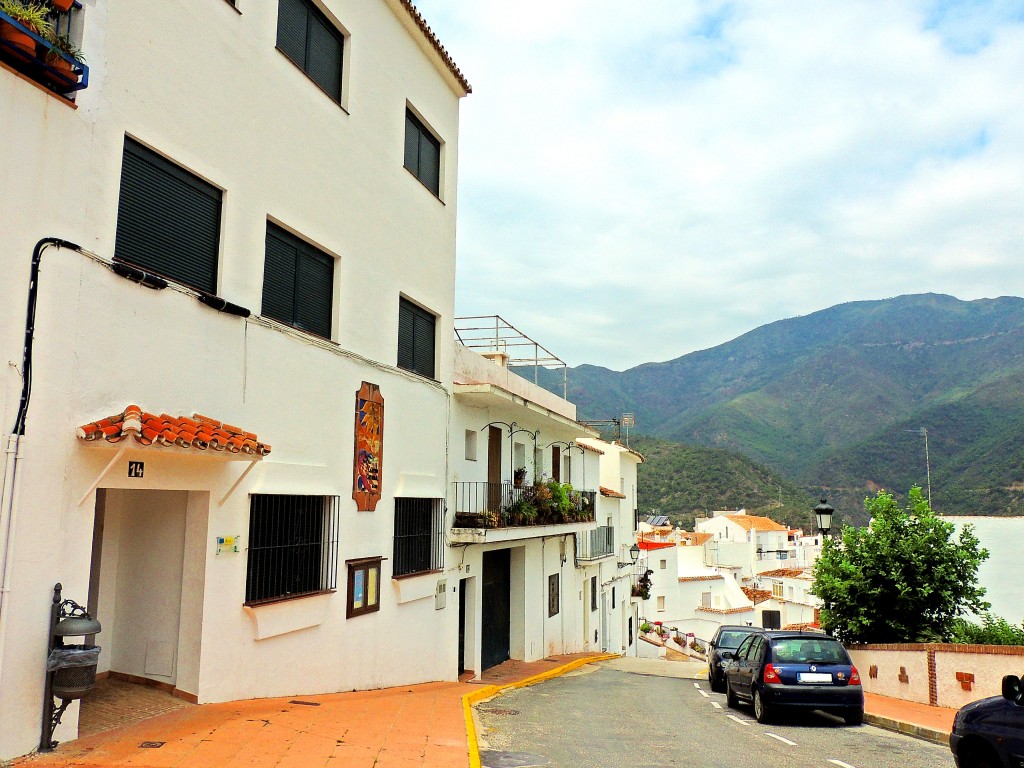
(823, 514)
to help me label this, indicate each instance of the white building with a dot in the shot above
(746, 543)
(790, 595)
(292, 165)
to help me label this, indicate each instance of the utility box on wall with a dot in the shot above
(441, 595)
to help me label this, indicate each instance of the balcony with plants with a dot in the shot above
(37, 40)
(482, 506)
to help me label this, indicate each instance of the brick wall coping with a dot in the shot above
(997, 650)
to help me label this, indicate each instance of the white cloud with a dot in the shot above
(638, 183)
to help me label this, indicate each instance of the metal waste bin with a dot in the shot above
(74, 670)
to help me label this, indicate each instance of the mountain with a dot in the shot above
(826, 399)
(688, 481)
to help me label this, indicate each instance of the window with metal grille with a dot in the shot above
(418, 530)
(307, 37)
(593, 593)
(554, 599)
(168, 220)
(298, 283)
(293, 546)
(422, 153)
(415, 339)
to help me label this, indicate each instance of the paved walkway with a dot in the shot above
(412, 726)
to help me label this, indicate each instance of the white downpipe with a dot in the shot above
(8, 510)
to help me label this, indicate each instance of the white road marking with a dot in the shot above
(784, 741)
(696, 685)
(841, 764)
(747, 722)
(703, 693)
(716, 705)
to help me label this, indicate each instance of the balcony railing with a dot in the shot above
(37, 58)
(595, 544)
(504, 505)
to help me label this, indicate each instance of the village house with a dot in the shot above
(226, 418)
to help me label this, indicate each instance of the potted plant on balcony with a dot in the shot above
(519, 477)
(61, 72)
(30, 15)
(62, 6)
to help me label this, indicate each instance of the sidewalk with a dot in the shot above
(415, 726)
(909, 717)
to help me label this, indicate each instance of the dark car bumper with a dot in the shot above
(814, 696)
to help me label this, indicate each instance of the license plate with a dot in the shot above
(813, 677)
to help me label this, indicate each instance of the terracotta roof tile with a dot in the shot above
(694, 539)
(757, 595)
(784, 572)
(613, 494)
(809, 626)
(755, 523)
(713, 577)
(586, 447)
(723, 610)
(429, 34)
(199, 432)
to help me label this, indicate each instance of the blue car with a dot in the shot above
(990, 733)
(774, 670)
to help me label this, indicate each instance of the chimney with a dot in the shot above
(496, 357)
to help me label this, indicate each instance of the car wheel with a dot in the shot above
(762, 711)
(730, 698)
(978, 756)
(717, 682)
(854, 716)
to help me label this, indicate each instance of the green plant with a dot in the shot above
(32, 15)
(62, 44)
(993, 630)
(903, 579)
(561, 503)
(646, 627)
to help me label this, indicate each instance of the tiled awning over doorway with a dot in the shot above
(199, 433)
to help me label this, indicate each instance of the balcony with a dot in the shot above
(512, 512)
(596, 544)
(48, 59)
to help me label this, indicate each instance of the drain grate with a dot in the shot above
(305, 703)
(498, 711)
(151, 744)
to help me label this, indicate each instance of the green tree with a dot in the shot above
(904, 578)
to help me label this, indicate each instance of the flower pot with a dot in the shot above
(62, 6)
(14, 36)
(61, 72)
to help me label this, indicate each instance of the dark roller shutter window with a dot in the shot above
(298, 283)
(415, 339)
(422, 153)
(168, 221)
(308, 38)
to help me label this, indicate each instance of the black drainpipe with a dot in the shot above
(30, 322)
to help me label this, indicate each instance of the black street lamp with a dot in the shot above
(823, 514)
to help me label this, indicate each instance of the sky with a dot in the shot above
(642, 180)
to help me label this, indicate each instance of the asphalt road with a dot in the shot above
(597, 716)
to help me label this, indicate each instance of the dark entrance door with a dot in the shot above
(493, 469)
(462, 626)
(496, 589)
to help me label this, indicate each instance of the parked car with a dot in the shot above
(990, 733)
(721, 648)
(778, 669)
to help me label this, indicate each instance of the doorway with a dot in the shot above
(496, 584)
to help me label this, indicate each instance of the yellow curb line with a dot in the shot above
(491, 691)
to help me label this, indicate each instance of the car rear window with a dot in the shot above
(732, 639)
(804, 650)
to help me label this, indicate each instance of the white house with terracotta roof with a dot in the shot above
(746, 544)
(227, 416)
(536, 576)
(686, 593)
(788, 590)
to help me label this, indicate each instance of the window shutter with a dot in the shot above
(168, 221)
(430, 162)
(292, 20)
(406, 336)
(323, 55)
(424, 345)
(412, 144)
(279, 278)
(314, 292)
